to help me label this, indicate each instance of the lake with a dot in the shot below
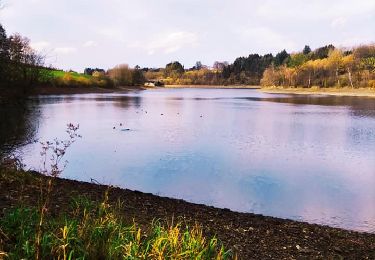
(308, 158)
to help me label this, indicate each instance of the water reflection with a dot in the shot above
(18, 124)
(303, 157)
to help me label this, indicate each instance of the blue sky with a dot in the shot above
(75, 34)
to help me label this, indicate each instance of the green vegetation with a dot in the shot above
(61, 78)
(96, 231)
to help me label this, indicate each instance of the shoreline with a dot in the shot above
(249, 235)
(344, 92)
(51, 90)
(214, 86)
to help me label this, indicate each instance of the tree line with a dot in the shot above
(22, 69)
(326, 66)
(20, 65)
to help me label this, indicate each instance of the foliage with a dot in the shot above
(334, 68)
(123, 75)
(22, 68)
(322, 52)
(90, 71)
(61, 78)
(173, 69)
(281, 58)
(306, 50)
(246, 70)
(296, 60)
(19, 63)
(97, 231)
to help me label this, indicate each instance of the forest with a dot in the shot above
(326, 66)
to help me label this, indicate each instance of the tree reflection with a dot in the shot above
(18, 124)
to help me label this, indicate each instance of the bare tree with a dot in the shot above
(25, 62)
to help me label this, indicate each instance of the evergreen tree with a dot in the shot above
(281, 58)
(174, 68)
(4, 54)
(306, 50)
(322, 52)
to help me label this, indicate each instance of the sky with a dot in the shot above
(75, 34)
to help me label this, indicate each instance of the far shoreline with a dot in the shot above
(214, 86)
(68, 90)
(343, 92)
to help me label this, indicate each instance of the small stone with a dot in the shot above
(337, 249)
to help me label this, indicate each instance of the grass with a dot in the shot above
(75, 75)
(73, 79)
(97, 231)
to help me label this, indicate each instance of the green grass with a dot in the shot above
(97, 231)
(73, 79)
(75, 75)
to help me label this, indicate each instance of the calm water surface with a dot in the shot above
(309, 158)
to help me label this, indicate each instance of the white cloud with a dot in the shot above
(192, 30)
(168, 43)
(112, 33)
(338, 22)
(40, 46)
(313, 10)
(90, 44)
(263, 39)
(64, 50)
(353, 41)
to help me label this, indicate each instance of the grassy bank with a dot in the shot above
(61, 78)
(357, 92)
(248, 235)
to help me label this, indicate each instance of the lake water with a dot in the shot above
(309, 158)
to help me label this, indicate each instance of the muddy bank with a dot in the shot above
(360, 92)
(251, 236)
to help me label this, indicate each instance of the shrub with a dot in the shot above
(371, 84)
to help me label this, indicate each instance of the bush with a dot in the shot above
(371, 84)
